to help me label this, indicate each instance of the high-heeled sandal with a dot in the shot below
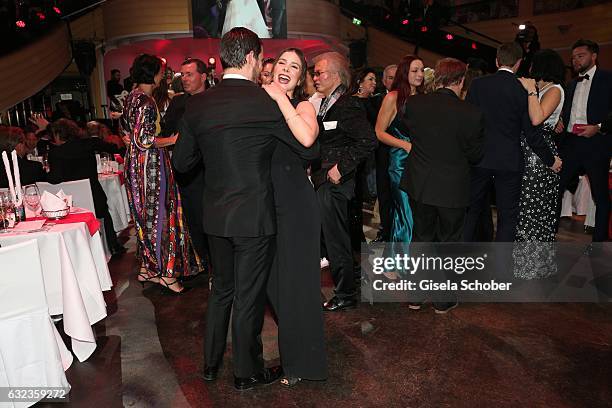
(290, 381)
(166, 286)
(144, 277)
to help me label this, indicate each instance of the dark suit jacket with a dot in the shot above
(346, 142)
(76, 160)
(174, 113)
(447, 138)
(503, 101)
(234, 127)
(30, 172)
(599, 110)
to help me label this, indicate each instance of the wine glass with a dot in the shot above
(31, 196)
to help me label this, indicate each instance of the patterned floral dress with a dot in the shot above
(164, 244)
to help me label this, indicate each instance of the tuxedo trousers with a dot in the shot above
(594, 158)
(508, 194)
(383, 190)
(242, 267)
(334, 205)
(436, 224)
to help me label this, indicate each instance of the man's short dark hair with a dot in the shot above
(591, 45)
(144, 69)
(268, 61)
(509, 53)
(115, 70)
(236, 44)
(449, 71)
(200, 65)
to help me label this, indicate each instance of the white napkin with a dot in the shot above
(30, 225)
(51, 202)
(67, 198)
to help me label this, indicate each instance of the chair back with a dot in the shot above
(80, 190)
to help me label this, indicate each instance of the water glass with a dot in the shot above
(31, 197)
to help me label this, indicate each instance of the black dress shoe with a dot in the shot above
(267, 376)
(210, 373)
(334, 304)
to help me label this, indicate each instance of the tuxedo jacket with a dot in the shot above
(346, 138)
(599, 110)
(503, 101)
(447, 137)
(234, 128)
(30, 172)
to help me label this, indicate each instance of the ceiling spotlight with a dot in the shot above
(20, 23)
(212, 61)
(405, 21)
(474, 46)
(424, 29)
(57, 10)
(41, 16)
(522, 26)
(449, 37)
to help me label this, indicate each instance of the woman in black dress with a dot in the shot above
(294, 286)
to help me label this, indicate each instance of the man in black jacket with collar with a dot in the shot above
(346, 138)
(234, 128)
(587, 144)
(437, 175)
(503, 101)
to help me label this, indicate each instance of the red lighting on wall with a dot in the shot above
(20, 23)
(449, 37)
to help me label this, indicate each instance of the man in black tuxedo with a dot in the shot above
(234, 128)
(503, 101)
(383, 183)
(346, 138)
(437, 174)
(191, 183)
(30, 171)
(587, 144)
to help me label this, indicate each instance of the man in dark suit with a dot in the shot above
(503, 101)
(234, 128)
(191, 183)
(346, 138)
(587, 144)
(437, 175)
(30, 171)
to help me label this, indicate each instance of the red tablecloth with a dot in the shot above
(87, 217)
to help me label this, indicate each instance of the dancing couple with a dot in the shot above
(260, 212)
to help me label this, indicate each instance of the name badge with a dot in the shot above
(330, 125)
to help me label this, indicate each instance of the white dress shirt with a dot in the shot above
(235, 76)
(578, 114)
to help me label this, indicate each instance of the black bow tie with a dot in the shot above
(583, 77)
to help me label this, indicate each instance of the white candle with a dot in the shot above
(18, 190)
(9, 176)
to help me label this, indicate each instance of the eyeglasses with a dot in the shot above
(318, 73)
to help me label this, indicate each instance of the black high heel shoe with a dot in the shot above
(144, 277)
(166, 287)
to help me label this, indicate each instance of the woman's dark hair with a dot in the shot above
(358, 79)
(66, 129)
(548, 66)
(144, 69)
(401, 83)
(160, 94)
(10, 137)
(299, 93)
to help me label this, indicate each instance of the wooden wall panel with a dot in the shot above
(131, 18)
(89, 26)
(315, 17)
(32, 68)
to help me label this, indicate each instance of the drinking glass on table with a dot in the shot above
(8, 209)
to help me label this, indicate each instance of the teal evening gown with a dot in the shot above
(401, 214)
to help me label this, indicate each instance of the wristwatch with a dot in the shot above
(532, 93)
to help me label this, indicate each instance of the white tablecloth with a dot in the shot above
(75, 273)
(117, 200)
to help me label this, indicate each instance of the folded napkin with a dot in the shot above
(67, 198)
(51, 202)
